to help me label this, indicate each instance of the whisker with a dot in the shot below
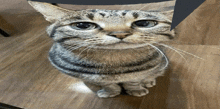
(88, 50)
(71, 48)
(182, 51)
(167, 62)
(177, 42)
(176, 52)
(181, 42)
(214, 47)
(83, 50)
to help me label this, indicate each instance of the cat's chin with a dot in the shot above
(123, 45)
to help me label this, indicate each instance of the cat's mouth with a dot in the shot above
(123, 45)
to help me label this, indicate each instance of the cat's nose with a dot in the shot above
(120, 34)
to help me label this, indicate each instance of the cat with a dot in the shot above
(109, 47)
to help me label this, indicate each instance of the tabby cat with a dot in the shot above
(109, 48)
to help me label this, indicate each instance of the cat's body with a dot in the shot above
(104, 73)
(108, 47)
(97, 67)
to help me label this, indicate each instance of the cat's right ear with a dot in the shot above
(50, 12)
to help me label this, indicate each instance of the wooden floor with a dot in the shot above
(28, 80)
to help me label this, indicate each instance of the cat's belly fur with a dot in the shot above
(101, 70)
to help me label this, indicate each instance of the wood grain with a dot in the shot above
(28, 80)
(202, 26)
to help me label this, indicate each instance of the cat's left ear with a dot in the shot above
(50, 12)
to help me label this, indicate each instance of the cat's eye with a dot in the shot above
(145, 23)
(84, 26)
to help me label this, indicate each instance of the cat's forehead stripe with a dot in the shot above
(77, 18)
(107, 13)
(112, 15)
(102, 14)
(135, 15)
(90, 16)
(124, 13)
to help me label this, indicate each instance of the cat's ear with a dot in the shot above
(50, 12)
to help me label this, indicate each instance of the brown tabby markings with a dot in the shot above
(135, 15)
(113, 51)
(90, 16)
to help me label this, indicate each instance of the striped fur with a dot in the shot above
(98, 57)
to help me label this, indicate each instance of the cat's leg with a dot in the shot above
(151, 81)
(135, 89)
(110, 90)
(148, 82)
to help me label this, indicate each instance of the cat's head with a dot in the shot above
(110, 29)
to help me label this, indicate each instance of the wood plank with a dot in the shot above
(28, 80)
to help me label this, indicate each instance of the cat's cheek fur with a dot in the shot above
(135, 67)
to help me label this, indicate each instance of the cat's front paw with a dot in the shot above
(138, 93)
(110, 90)
(106, 94)
(148, 83)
